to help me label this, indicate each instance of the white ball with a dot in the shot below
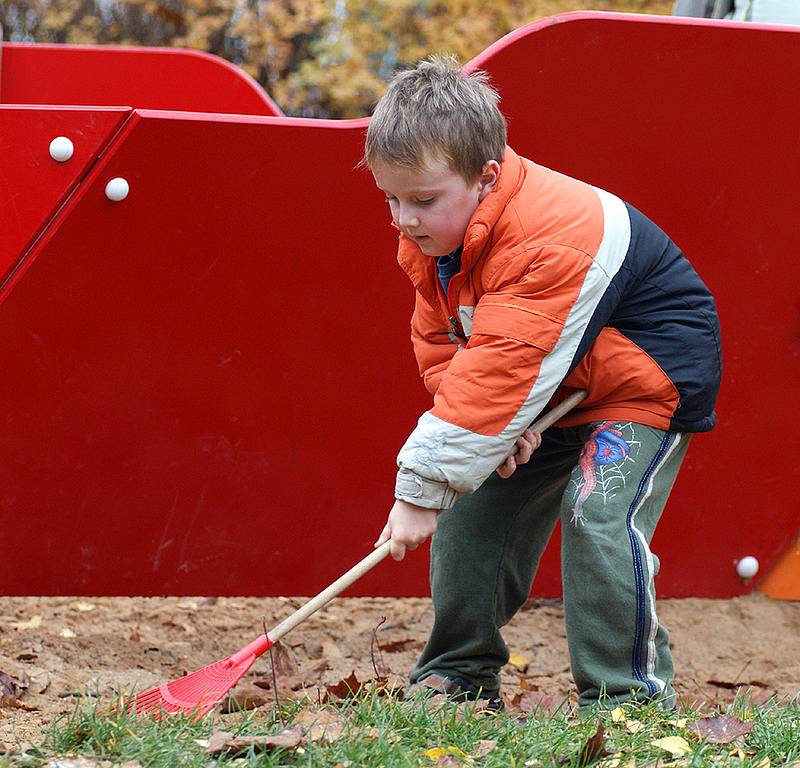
(117, 189)
(61, 149)
(747, 567)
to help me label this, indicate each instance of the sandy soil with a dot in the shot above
(101, 645)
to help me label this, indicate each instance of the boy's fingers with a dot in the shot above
(386, 534)
(506, 469)
(398, 550)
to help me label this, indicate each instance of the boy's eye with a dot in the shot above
(425, 201)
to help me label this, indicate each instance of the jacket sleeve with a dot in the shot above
(526, 330)
(433, 346)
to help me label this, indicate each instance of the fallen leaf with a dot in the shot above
(721, 729)
(677, 746)
(536, 701)
(320, 724)
(764, 762)
(244, 698)
(331, 650)
(11, 688)
(396, 646)
(733, 686)
(33, 623)
(519, 661)
(221, 742)
(439, 753)
(680, 722)
(346, 688)
(595, 747)
(618, 715)
(485, 746)
(366, 733)
(634, 726)
(82, 606)
(285, 661)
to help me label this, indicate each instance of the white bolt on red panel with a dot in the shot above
(117, 189)
(747, 567)
(61, 149)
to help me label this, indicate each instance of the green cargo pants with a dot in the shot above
(609, 482)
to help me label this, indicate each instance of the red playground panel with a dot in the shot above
(206, 383)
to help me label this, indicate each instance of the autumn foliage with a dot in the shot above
(316, 58)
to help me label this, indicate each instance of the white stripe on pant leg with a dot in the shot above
(651, 589)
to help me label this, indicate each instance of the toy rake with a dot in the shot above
(200, 691)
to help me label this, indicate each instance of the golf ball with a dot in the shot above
(117, 189)
(747, 567)
(61, 149)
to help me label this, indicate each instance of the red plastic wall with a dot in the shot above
(149, 78)
(36, 185)
(206, 384)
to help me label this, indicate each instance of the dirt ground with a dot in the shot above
(61, 649)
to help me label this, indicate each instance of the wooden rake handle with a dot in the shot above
(372, 559)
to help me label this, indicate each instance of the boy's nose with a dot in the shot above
(406, 221)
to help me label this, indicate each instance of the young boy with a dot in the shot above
(530, 285)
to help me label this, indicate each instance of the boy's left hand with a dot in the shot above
(526, 444)
(408, 526)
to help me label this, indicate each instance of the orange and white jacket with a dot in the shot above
(562, 286)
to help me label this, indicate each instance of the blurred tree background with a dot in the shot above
(315, 58)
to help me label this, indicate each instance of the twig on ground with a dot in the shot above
(274, 676)
(374, 642)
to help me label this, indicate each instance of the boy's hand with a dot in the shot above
(408, 526)
(526, 444)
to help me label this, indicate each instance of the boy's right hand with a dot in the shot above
(408, 526)
(521, 453)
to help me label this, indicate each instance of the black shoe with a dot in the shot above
(460, 689)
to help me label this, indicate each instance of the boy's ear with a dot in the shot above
(490, 173)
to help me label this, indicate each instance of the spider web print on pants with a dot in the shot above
(605, 463)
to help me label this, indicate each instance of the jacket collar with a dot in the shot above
(421, 269)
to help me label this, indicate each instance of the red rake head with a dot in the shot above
(198, 692)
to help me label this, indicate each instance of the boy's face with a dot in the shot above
(432, 205)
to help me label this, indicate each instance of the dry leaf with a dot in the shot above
(347, 688)
(618, 715)
(222, 742)
(11, 688)
(536, 701)
(320, 724)
(33, 623)
(679, 723)
(720, 730)
(331, 650)
(243, 698)
(441, 753)
(677, 746)
(285, 661)
(485, 746)
(595, 747)
(634, 726)
(396, 646)
(82, 606)
(519, 661)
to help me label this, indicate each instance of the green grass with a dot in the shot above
(379, 731)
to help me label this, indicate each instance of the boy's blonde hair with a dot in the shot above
(437, 112)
